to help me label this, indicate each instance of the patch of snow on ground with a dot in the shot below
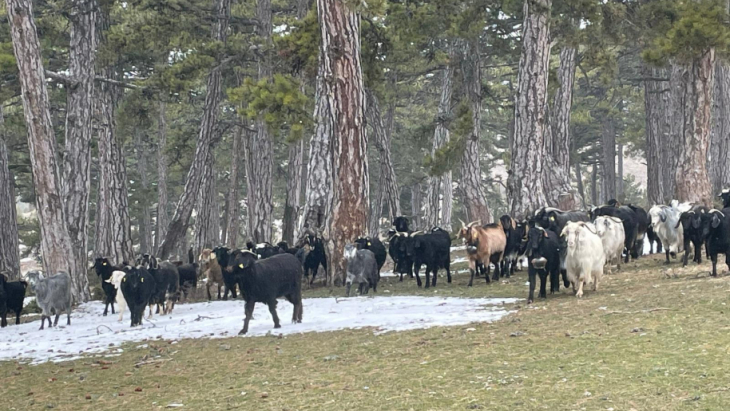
(459, 248)
(459, 260)
(28, 300)
(91, 333)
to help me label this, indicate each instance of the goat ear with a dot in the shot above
(715, 221)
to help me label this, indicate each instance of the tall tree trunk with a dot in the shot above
(608, 160)
(113, 234)
(56, 245)
(75, 183)
(474, 199)
(719, 151)
(525, 185)
(344, 96)
(579, 182)
(692, 179)
(415, 206)
(180, 220)
(387, 194)
(658, 133)
(260, 201)
(207, 222)
(9, 251)
(163, 218)
(594, 185)
(295, 165)
(562, 104)
(436, 211)
(233, 208)
(145, 225)
(557, 138)
(319, 168)
(620, 177)
(675, 119)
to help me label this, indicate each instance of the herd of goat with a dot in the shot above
(576, 245)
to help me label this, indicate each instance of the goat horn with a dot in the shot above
(463, 225)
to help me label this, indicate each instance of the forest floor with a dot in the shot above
(653, 337)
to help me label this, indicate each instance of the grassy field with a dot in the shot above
(652, 338)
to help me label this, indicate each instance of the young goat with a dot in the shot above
(116, 281)
(104, 270)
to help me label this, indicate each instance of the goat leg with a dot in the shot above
(112, 303)
(55, 322)
(531, 276)
(249, 313)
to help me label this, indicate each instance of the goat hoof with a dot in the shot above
(277, 326)
(242, 332)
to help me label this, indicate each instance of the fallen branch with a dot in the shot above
(139, 364)
(202, 317)
(97, 329)
(638, 312)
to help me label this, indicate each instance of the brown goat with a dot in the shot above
(212, 271)
(484, 245)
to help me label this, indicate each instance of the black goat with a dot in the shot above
(188, 274)
(104, 270)
(653, 238)
(263, 281)
(375, 246)
(138, 288)
(263, 250)
(643, 222)
(398, 250)
(223, 255)
(716, 229)
(432, 249)
(543, 259)
(553, 219)
(12, 295)
(515, 233)
(401, 224)
(167, 280)
(315, 257)
(691, 222)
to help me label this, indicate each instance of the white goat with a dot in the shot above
(116, 280)
(665, 222)
(611, 231)
(585, 258)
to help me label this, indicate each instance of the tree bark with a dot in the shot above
(207, 222)
(620, 177)
(145, 226)
(113, 233)
(180, 220)
(295, 166)
(437, 209)
(692, 179)
(344, 96)
(719, 161)
(387, 194)
(162, 217)
(474, 198)
(319, 168)
(415, 206)
(233, 208)
(562, 105)
(56, 245)
(594, 185)
(9, 251)
(579, 182)
(675, 118)
(658, 134)
(75, 183)
(608, 160)
(525, 185)
(260, 200)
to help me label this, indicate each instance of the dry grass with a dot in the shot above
(652, 338)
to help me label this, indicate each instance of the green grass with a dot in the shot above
(652, 338)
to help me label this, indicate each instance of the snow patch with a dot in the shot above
(92, 334)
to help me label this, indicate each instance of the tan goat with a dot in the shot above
(484, 245)
(211, 270)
